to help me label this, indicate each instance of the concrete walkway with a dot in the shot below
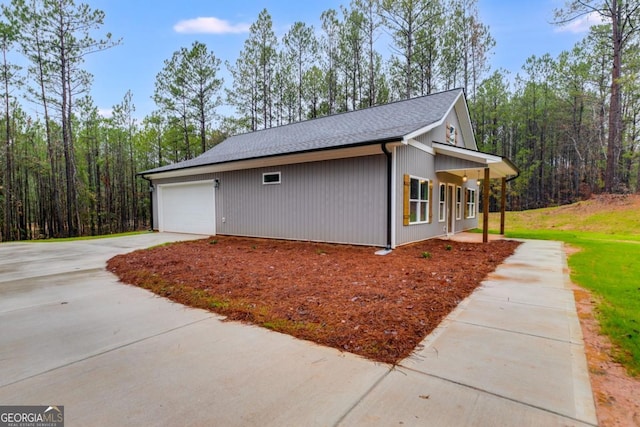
(511, 354)
(70, 334)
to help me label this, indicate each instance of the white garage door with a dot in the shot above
(187, 208)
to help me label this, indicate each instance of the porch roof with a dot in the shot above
(475, 161)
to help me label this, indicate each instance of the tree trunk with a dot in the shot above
(615, 110)
(66, 132)
(203, 128)
(185, 130)
(55, 222)
(409, 58)
(7, 188)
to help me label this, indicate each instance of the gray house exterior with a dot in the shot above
(382, 176)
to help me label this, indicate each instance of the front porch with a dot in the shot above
(469, 164)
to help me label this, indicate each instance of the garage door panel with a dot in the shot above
(187, 208)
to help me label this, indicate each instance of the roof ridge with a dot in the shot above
(341, 113)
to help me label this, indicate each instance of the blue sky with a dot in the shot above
(152, 31)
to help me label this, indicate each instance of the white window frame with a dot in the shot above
(452, 134)
(458, 202)
(471, 203)
(420, 202)
(264, 175)
(442, 202)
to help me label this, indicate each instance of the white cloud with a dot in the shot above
(210, 25)
(107, 113)
(582, 24)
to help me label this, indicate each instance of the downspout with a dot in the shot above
(513, 177)
(150, 199)
(387, 153)
(515, 168)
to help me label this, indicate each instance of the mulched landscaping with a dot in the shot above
(380, 307)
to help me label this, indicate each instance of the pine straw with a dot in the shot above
(346, 297)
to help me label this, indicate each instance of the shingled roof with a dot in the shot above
(354, 128)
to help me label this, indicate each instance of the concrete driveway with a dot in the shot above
(113, 354)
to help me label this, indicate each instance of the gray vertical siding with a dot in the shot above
(425, 138)
(335, 201)
(415, 162)
(412, 161)
(447, 162)
(342, 201)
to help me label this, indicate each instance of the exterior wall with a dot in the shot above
(447, 162)
(439, 134)
(340, 201)
(425, 138)
(418, 163)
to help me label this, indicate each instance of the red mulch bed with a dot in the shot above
(380, 307)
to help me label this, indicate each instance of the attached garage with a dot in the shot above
(187, 208)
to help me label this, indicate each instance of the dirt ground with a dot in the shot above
(616, 394)
(346, 297)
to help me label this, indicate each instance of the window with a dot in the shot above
(458, 202)
(442, 202)
(416, 207)
(470, 211)
(271, 178)
(452, 134)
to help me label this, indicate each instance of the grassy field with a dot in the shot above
(606, 229)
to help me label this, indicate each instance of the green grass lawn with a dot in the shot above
(608, 264)
(612, 271)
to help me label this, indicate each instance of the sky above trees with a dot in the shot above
(151, 35)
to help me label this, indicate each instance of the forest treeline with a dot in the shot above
(571, 123)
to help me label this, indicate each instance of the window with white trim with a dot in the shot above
(458, 202)
(271, 178)
(470, 210)
(452, 134)
(418, 200)
(442, 199)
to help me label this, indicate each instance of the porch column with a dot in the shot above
(503, 202)
(485, 207)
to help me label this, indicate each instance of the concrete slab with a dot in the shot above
(83, 320)
(32, 292)
(543, 296)
(423, 400)
(545, 322)
(206, 373)
(44, 258)
(532, 370)
(522, 274)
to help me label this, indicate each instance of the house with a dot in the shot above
(382, 176)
